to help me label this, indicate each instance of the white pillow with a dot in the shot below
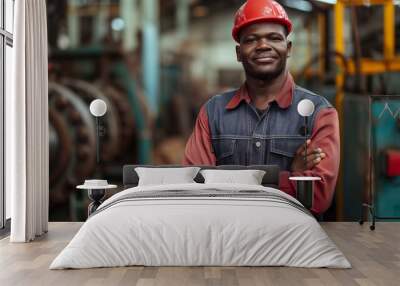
(163, 176)
(248, 177)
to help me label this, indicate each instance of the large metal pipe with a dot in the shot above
(129, 14)
(182, 18)
(150, 52)
(73, 23)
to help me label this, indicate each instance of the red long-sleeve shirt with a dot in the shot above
(325, 135)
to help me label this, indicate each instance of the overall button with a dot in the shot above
(258, 144)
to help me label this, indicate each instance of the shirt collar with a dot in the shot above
(283, 98)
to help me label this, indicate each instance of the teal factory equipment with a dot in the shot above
(372, 157)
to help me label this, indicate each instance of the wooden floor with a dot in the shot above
(375, 256)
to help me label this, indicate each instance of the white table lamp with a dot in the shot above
(305, 185)
(98, 108)
(305, 108)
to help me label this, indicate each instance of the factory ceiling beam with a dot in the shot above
(355, 2)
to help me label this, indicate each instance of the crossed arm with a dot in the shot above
(323, 156)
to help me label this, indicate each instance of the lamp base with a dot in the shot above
(305, 190)
(96, 195)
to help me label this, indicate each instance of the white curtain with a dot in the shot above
(27, 166)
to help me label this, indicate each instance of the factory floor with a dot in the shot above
(374, 255)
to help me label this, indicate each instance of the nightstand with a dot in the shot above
(96, 192)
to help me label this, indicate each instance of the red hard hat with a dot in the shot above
(260, 11)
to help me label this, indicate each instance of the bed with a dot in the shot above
(201, 224)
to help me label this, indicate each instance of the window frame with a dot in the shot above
(6, 39)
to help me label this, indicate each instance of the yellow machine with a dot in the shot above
(362, 66)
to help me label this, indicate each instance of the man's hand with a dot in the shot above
(314, 157)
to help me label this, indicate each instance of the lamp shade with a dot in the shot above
(305, 107)
(98, 107)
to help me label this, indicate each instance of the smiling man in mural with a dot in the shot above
(259, 124)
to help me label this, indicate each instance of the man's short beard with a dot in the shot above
(265, 76)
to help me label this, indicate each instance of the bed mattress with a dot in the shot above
(201, 225)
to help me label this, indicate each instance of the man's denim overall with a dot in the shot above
(241, 136)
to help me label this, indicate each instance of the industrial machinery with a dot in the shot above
(72, 140)
(375, 162)
(376, 187)
(360, 75)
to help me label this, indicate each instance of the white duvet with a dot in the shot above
(203, 231)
